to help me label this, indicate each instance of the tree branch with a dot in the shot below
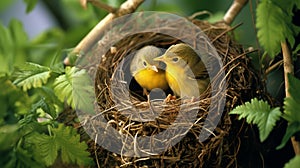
(234, 10)
(87, 42)
(289, 68)
(98, 4)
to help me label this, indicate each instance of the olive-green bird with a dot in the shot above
(148, 73)
(185, 72)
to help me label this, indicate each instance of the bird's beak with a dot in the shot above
(160, 58)
(154, 68)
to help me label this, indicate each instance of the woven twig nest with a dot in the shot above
(130, 116)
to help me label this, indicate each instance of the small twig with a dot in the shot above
(271, 68)
(200, 14)
(99, 4)
(87, 42)
(234, 10)
(289, 69)
(228, 30)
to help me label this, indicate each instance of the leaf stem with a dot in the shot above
(289, 68)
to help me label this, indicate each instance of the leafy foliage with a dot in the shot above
(295, 162)
(13, 101)
(65, 141)
(29, 105)
(291, 110)
(260, 113)
(30, 5)
(274, 23)
(13, 46)
(76, 88)
(31, 75)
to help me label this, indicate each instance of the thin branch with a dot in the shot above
(200, 14)
(275, 66)
(234, 10)
(287, 65)
(99, 4)
(87, 42)
(289, 69)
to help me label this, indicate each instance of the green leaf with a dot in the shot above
(51, 100)
(30, 5)
(290, 131)
(47, 107)
(45, 149)
(297, 49)
(8, 136)
(260, 113)
(18, 33)
(292, 103)
(6, 48)
(294, 89)
(76, 88)
(12, 101)
(64, 142)
(24, 158)
(13, 46)
(274, 25)
(72, 150)
(291, 110)
(297, 3)
(293, 163)
(5, 4)
(31, 75)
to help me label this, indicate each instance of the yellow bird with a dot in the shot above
(185, 72)
(148, 73)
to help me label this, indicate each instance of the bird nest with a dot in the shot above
(129, 122)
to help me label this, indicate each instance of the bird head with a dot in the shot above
(177, 55)
(143, 59)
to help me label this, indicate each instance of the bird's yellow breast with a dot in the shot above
(172, 81)
(182, 85)
(150, 79)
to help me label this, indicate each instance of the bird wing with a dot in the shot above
(196, 70)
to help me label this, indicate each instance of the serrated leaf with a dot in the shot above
(291, 110)
(273, 27)
(83, 92)
(260, 113)
(49, 94)
(292, 103)
(47, 107)
(45, 149)
(76, 88)
(64, 142)
(72, 150)
(293, 163)
(23, 158)
(31, 75)
(30, 5)
(290, 131)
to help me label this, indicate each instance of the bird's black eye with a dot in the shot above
(144, 63)
(175, 59)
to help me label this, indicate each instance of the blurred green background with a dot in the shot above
(69, 16)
